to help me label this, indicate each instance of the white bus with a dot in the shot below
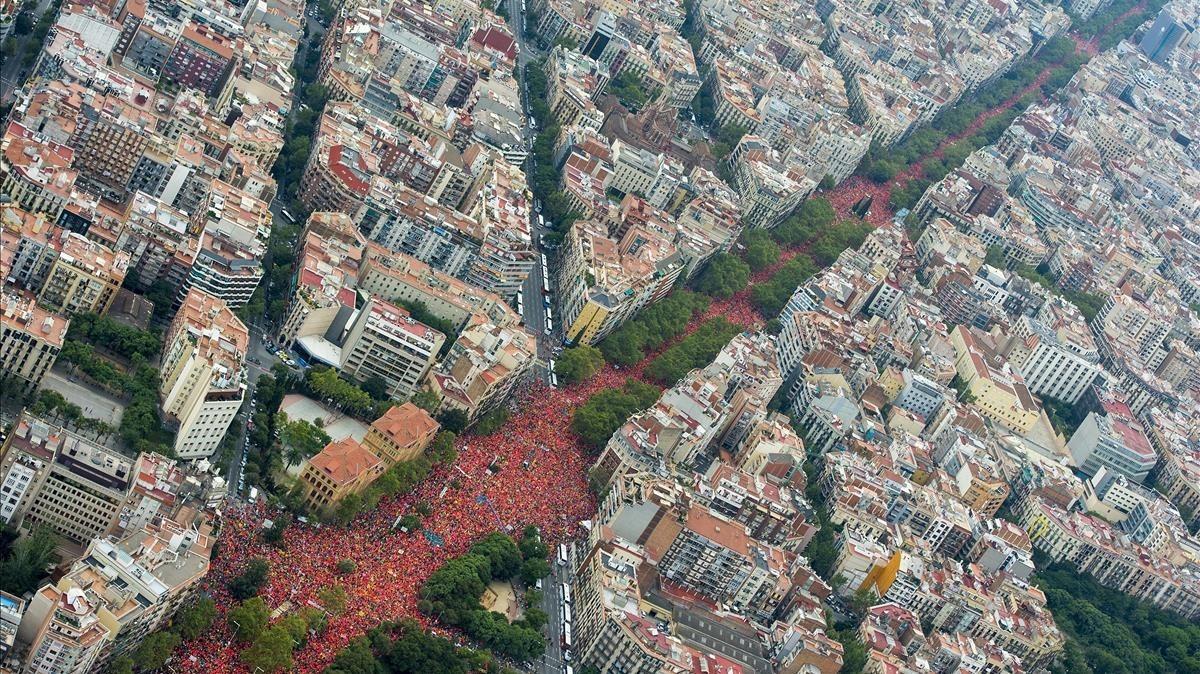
(562, 556)
(541, 220)
(567, 636)
(566, 593)
(549, 314)
(286, 215)
(569, 670)
(545, 284)
(567, 613)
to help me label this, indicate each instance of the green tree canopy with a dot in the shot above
(249, 619)
(578, 364)
(723, 276)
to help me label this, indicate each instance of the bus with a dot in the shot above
(287, 216)
(553, 380)
(562, 556)
(549, 314)
(569, 670)
(566, 593)
(567, 613)
(567, 635)
(545, 284)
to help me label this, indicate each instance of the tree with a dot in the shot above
(273, 535)
(578, 364)
(602, 414)
(695, 350)
(491, 422)
(300, 440)
(195, 619)
(333, 599)
(426, 400)
(271, 651)
(995, 256)
(154, 650)
(346, 567)
(453, 420)
(761, 251)
(248, 619)
(250, 581)
(442, 450)
(28, 561)
(724, 275)
(533, 569)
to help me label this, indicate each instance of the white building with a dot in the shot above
(203, 373)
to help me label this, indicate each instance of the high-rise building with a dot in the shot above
(1167, 33)
(1055, 352)
(482, 366)
(203, 373)
(1114, 438)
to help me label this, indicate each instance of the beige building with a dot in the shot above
(85, 276)
(30, 339)
(401, 434)
(1000, 392)
(342, 468)
(203, 375)
(483, 365)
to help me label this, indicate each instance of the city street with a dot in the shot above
(534, 309)
(552, 662)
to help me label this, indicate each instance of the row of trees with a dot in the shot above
(1104, 25)
(652, 327)
(27, 560)
(695, 350)
(882, 164)
(114, 337)
(544, 178)
(602, 414)
(406, 648)
(452, 594)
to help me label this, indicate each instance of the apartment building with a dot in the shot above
(327, 276)
(1114, 438)
(84, 276)
(30, 340)
(130, 586)
(384, 340)
(1000, 393)
(603, 282)
(57, 478)
(1054, 352)
(482, 367)
(203, 373)
(401, 434)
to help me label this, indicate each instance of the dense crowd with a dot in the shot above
(468, 501)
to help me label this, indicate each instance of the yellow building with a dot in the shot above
(401, 434)
(342, 468)
(1000, 393)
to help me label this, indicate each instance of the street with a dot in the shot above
(552, 662)
(534, 308)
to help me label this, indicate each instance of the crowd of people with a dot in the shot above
(531, 471)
